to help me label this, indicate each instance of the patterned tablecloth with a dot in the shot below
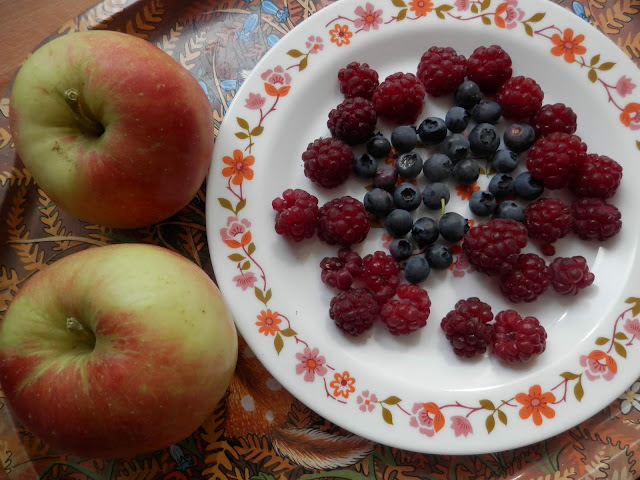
(276, 436)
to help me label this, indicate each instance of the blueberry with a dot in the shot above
(432, 131)
(501, 185)
(468, 95)
(527, 187)
(365, 166)
(437, 167)
(455, 146)
(484, 139)
(407, 196)
(416, 269)
(439, 256)
(409, 165)
(519, 137)
(398, 223)
(386, 178)
(453, 226)
(466, 171)
(509, 210)
(482, 203)
(504, 161)
(487, 112)
(378, 202)
(457, 119)
(378, 146)
(433, 194)
(400, 249)
(404, 138)
(425, 231)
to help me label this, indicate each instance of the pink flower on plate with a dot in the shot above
(461, 266)
(255, 101)
(599, 364)
(462, 5)
(427, 418)
(314, 44)
(386, 240)
(633, 327)
(624, 86)
(245, 280)
(310, 364)
(234, 228)
(367, 401)
(508, 14)
(461, 426)
(367, 17)
(277, 76)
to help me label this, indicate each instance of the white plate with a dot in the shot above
(412, 392)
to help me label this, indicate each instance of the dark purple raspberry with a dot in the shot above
(400, 98)
(494, 247)
(297, 214)
(548, 219)
(489, 67)
(441, 70)
(409, 312)
(598, 176)
(518, 339)
(343, 221)
(381, 274)
(529, 278)
(328, 162)
(339, 272)
(520, 98)
(553, 158)
(353, 121)
(354, 311)
(467, 327)
(555, 117)
(570, 274)
(594, 219)
(358, 80)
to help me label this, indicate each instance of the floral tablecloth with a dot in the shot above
(259, 431)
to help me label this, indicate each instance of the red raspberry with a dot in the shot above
(381, 274)
(441, 70)
(552, 158)
(594, 219)
(297, 214)
(408, 314)
(529, 278)
(518, 339)
(467, 327)
(354, 311)
(554, 118)
(489, 67)
(400, 98)
(358, 80)
(339, 272)
(494, 247)
(353, 121)
(598, 176)
(548, 219)
(343, 221)
(520, 97)
(570, 274)
(328, 162)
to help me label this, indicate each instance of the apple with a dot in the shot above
(112, 128)
(116, 351)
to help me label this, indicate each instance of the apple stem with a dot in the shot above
(87, 124)
(75, 327)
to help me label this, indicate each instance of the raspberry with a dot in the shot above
(327, 162)
(358, 80)
(381, 274)
(552, 158)
(489, 67)
(339, 272)
(343, 221)
(494, 247)
(441, 70)
(297, 214)
(555, 117)
(467, 327)
(400, 98)
(548, 219)
(570, 274)
(517, 339)
(354, 311)
(353, 121)
(594, 219)
(520, 97)
(408, 314)
(598, 176)
(529, 278)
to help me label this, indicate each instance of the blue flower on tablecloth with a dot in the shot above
(249, 25)
(578, 9)
(228, 85)
(271, 8)
(630, 399)
(183, 461)
(272, 40)
(205, 87)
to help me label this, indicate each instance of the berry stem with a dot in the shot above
(442, 205)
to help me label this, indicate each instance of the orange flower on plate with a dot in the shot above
(630, 116)
(340, 35)
(239, 167)
(268, 322)
(568, 45)
(420, 7)
(343, 384)
(536, 404)
(465, 191)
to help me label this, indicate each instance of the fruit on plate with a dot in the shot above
(112, 128)
(116, 351)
